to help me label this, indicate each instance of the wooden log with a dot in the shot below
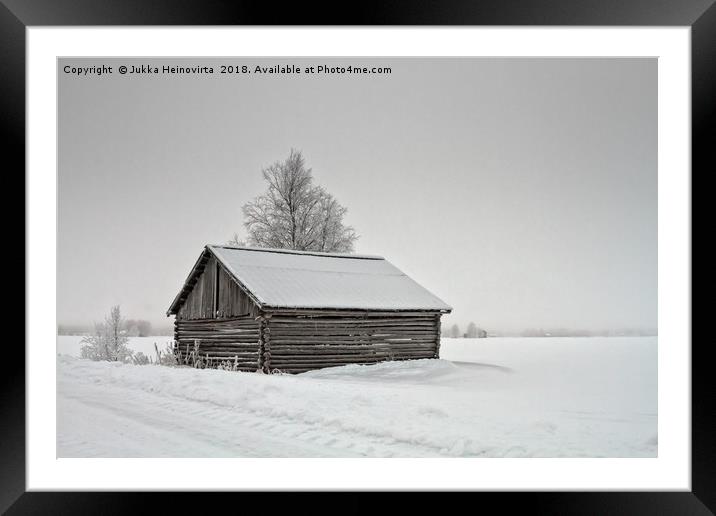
(240, 354)
(219, 335)
(342, 358)
(279, 321)
(278, 348)
(229, 345)
(228, 342)
(348, 357)
(351, 320)
(208, 328)
(346, 353)
(229, 355)
(236, 351)
(226, 331)
(262, 325)
(227, 319)
(360, 342)
(219, 338)
(353, 344)
(350, 341)
(326, 363)
(356, 332)
(226, 328)
(305, 368)
(219, 329)
(234, 323)
(437, 336)
(345, 335)
(306, 350)
(266, 338)
(317, 313)
(245, 323)
(370, 332)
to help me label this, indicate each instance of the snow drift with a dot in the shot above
(546, 397)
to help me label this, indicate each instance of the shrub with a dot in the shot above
(109, 340)
(140, 358)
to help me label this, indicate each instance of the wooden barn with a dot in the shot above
(290, 311)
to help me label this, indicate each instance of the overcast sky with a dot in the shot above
(523, 192)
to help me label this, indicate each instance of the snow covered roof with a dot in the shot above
(281, 278)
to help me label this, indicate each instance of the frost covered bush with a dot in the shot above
(109, 341)
(226, 365)
(296, 214)
(167, 357)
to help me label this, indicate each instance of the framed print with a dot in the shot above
(429, 251)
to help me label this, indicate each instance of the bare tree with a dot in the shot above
(455, 331)
(471, 331)
(237, 241)
(296, 214)
(109, 341)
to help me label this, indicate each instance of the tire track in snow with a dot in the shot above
(193, 428)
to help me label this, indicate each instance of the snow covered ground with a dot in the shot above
(497, 397)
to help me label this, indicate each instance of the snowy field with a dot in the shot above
(497, 397)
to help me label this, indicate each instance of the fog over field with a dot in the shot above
(523, 192)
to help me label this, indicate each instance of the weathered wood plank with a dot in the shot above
(316, 313)
(299, 343)
(294, 321)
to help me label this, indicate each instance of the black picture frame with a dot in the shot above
(16, 15)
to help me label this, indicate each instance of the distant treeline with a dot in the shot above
(566, 332)
(133, 327)
(475, 332)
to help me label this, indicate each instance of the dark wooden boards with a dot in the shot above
(292, 344)
(215, 295)
(235, 340)
(300, 343)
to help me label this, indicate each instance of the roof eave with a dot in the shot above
(275, 308)
(173, 308)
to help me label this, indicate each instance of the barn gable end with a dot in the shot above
(212, 292)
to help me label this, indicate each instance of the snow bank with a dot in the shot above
(542, 397)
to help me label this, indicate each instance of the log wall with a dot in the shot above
(235, 340)
(297, 344)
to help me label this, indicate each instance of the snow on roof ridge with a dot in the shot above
(323, 271)
(292, 251)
